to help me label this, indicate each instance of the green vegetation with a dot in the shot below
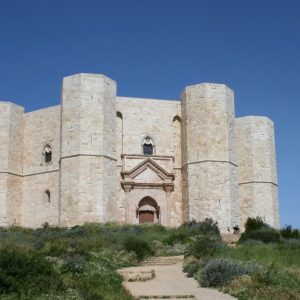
(265, 264)
(81, 262)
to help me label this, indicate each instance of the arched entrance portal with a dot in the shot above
(148, 211)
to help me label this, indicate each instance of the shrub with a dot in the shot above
(176, 238)
(75, 231)
(26, 273)
(289, 233)
(39, 244)
(253, 224)
(192, 266)
(257, 229)
(203, 245)
(266, 275)
(206, 227)
(57, 249)
(293, 244)
(221, 271)
(139, 246)
(46, 226)
(74, 263)
(264, 234)
(161, 249)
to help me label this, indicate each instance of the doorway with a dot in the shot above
(148, 211)
(146, 217)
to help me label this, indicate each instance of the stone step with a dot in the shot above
(230, 238)
(163, 260)
(169, 297)
(137, 275)
(157, 264)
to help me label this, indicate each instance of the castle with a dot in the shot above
(99, 157)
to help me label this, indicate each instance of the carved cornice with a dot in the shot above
(168, 187)
(154, 156)
(129, 185)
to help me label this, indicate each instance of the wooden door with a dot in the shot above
(146, 216)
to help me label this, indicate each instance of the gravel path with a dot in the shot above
(163, 278)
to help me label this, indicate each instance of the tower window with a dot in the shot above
(47, 154)
(47, 192)
(148, 146)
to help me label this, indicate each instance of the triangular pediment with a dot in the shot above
(147, 175)
(148, 171)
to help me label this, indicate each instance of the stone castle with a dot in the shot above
(99, 157)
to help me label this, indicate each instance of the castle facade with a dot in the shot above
(99, 157)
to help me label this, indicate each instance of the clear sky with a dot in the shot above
(154, 48)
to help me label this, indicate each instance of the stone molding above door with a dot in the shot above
(148, 172)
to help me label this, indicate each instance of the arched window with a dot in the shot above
(47, 154)
(177, 141)
(148, 146)
(48, 195)
(119, 133)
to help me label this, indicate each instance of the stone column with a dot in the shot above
(127, 189)
(169, 188)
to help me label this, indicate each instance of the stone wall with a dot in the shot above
(11, 162)
(160, 119)
(93, 134)
(88, 156)
(37, 207)
(257, 169)
(41, 127)
(209, 159)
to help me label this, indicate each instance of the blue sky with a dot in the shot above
(154, 48)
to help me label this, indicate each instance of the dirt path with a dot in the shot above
(162, 278)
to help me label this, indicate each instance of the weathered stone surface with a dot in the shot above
(257, 169)
(208, 154)
(205, 163)
(88, 152)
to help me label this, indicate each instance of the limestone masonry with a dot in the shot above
(99, 157)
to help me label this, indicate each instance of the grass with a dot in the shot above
(280, 278)
(265, 264)
(81, 262)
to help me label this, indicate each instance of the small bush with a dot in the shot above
(74, 263)
(265, 276)
(57, 249)
(257, 229)
(192, 266)
(161, 249)
(264, 234)
(289, 233)
(39, 244)
(203, 246)
(206, 227)
(75, 231)
(253, 224)
(292, 244)
(176, 238)
(139, 246)
(221, 271)
(26, 273)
